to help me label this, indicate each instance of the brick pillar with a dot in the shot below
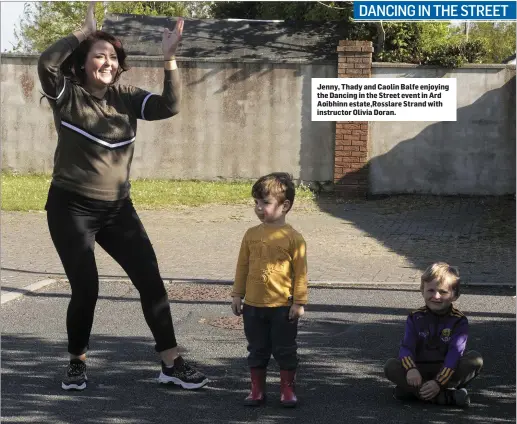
(351, 148)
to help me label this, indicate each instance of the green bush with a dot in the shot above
(455, 55)
(429, 44)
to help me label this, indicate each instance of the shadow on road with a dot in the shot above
(341, 380)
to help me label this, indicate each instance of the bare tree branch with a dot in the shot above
(337, 8)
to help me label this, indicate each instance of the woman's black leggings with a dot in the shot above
(76, 223)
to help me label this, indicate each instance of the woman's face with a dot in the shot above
(101, 64)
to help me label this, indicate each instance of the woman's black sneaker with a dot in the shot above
(183, 375)
(75, 377)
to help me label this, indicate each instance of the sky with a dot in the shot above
(10, 13)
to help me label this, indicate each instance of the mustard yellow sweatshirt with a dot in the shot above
(272, 267)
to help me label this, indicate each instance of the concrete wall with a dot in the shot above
(474, 155)
(237, 120)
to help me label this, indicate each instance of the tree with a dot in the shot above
(284, 10)
(192, 9)
(498, 39)
(428, 43)
(411, 42)
(295, 11)
(43, 23)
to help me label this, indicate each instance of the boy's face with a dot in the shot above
(269, 211)
(438, 299)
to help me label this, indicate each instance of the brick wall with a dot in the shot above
(351, 148)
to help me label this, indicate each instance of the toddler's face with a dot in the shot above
(268, 210)
(438, 299)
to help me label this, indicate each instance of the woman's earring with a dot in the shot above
(82, 67)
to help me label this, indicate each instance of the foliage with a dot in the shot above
(284, 10)
(497, 38)
(420, 42)
(454, 55)
(45, 22)
(193, 9)
(427, 43)
(295, 11)
(411, 42)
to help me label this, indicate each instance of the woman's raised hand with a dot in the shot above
(171, 39)
(90, 24)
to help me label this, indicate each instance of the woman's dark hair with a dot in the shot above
(73, 66)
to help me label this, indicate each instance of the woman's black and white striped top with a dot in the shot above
(96, 136)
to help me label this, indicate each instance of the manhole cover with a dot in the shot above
(228, 323)
(199, 292)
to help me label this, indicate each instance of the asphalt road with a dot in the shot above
(345, 338)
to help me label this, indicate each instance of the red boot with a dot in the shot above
(257, 395)
(287, 395)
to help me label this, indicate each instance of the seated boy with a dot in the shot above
(432, 365)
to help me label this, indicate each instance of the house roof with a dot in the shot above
(224, 39)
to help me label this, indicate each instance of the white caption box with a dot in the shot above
(383, 99)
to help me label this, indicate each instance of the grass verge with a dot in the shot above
(29, 193)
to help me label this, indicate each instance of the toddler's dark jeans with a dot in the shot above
(269, 332)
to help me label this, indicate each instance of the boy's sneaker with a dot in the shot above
(75, 377)
(401, 394)
(458, 397)
(462, 398)
(183, 375)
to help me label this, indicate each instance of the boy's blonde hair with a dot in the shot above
(277, 184)
(443, 274)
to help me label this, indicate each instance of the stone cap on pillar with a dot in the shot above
(355, 46)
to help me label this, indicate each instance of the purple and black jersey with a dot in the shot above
(432, 338)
